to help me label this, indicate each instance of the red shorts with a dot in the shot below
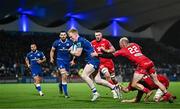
(145, 67)
(108, 65)
(164, 80)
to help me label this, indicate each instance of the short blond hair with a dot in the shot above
(124, 39)
(73, 31)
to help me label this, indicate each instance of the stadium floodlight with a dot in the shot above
(76, 16)
(23, 23)
(120, 19)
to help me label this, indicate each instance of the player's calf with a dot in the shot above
(148, 95)
(64, 84)
(38, 86)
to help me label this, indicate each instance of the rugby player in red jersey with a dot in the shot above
(148, 82)
(145, 66)
(106, 67)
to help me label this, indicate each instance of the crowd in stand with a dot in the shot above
(15, 45)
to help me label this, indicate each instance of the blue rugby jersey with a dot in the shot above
(33, 57)
(62, 49)
(87, 50)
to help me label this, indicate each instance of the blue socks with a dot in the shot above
(64, 86)
(38, 87)
(94, 90)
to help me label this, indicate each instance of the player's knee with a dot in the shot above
(97, 80)
(37, 80)
(83, 75)
(133, 85)
(64, 78)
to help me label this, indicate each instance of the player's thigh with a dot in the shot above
(36, 72)
(61, 65)
(37, 75)
(138, 74)
(137, 77)
(141, 70)
(149, 66)
(88, 70)
(63, 73)
(97, 77)
(151, 70)
(111, 68)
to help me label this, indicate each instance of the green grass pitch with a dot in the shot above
(25, 96)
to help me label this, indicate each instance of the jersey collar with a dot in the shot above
(62, 41)
(34, 52)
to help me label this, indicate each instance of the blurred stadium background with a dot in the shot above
(153, 24)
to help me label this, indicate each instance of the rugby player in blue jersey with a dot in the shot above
(83, 46)
(63, 59)
(34, 59)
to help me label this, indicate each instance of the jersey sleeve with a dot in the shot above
(27, 56)
(106, 55)
(42, 55)
(93, 44)
(54, 45)
(118, 53)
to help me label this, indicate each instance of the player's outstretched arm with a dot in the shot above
(110, 50)
(129, 101)
(106, 55)
(134, 100)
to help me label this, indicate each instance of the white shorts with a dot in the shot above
(158, 95)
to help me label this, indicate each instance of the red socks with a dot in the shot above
(146, 90)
